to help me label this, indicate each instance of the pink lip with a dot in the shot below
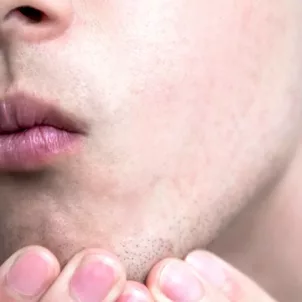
(34, 133)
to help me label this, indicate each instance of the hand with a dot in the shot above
(202, 277)
(33, 274)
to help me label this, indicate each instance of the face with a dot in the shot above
(192, 109)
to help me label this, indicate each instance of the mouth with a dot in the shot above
(34, 133)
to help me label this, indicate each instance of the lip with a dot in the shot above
(34, 133)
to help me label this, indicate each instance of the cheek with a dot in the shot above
(207, 104)
(194, 101)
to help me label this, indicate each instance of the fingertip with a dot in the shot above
(106, 263)
(28, 273)
(215, 271)
(40, 251)
(207, 267)
(174, 280)
(152, 281)
(135, 292)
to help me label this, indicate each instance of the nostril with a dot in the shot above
(28, 14)
(35, 20)
(33, 15)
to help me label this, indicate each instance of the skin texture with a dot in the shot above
(265, 241)
(200, 277)
(193, 110)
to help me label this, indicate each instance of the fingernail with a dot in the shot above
(29, 275)
(134, 296)
(208, 268)
(93, 279)
(178, 283)
(135, 292)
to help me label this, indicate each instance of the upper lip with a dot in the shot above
(21, 111)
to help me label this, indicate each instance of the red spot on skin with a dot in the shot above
(232, 289)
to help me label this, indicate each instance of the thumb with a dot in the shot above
(233, 284)
(173, 280)
(202, 277)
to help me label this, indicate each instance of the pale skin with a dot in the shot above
(200, 277)
(193, 131)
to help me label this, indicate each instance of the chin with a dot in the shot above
(139, 250)
(137, 255)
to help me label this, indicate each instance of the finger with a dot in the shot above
(135, 292)
(27, 274)
(232, 283)
(174, 280)
(92, 275)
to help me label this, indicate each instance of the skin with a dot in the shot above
(194, 116)
(267, 239)
(163, 284)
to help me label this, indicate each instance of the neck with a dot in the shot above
(265, 240)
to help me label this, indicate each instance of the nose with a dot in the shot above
(35, 20)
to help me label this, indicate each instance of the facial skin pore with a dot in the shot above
(193, 111)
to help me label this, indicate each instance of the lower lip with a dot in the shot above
(35, 148)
